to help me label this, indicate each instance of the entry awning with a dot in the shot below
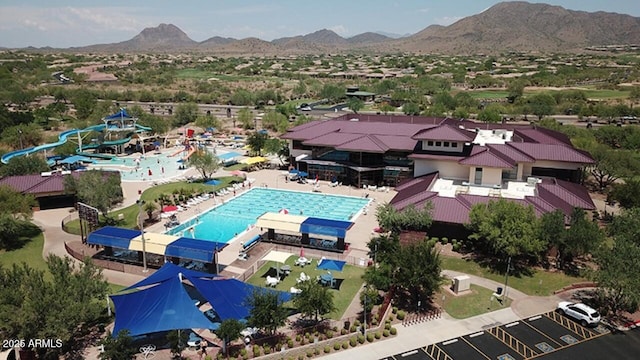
(279, 221)
(113, 236)
(194, 249)
(154, 243)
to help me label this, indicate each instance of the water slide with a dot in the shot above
(63, 137)
(191, 151)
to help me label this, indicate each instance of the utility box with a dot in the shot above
(461, 283)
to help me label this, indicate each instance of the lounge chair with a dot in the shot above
(303, 277)
(295, 290)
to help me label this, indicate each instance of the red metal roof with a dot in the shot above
(510, 153)
(445, 132)
(552, 152)
(35, 184)
(365, 143)
(487, 158)
(542, 135)
(451, 157)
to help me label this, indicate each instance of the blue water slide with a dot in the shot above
(62, 138)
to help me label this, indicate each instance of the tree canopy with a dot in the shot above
(267, 311)
(62, 306)
(96, 188)
(314, 301)
(205, 162)
(506, 229)
(409, 218)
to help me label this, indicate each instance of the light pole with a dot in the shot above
(366, 295)
(20, 133)
(506, 279)
(144, 245)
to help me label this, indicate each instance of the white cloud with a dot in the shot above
(447, 20)
(339, 29)
(423, 10)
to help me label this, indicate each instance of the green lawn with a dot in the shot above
(606, 94)
(590, 93)
(351, 277)
(541, 283)
(478, 301)
(31, 253)
(488, 94)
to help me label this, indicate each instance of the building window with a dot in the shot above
(446, 144)
(478, 176)
(429, 143)
(438, 143)
(454, 144)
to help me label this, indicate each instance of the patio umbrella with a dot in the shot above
(301, 251)
(213, 182)
(284, 211)
(237, 173)
(170, 208)
(302, 174)
(327, 264)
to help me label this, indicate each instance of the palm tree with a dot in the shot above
(149, 207)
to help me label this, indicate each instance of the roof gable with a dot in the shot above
(444, 132)
(487, 158)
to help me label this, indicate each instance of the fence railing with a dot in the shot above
(412, 319)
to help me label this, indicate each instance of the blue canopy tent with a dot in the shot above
(194, 249)
(163, 307)
(113, 236)
(166, 272)
(228, 296)
(213, 182)
(335, 228)
(327, 264)
(119, 115)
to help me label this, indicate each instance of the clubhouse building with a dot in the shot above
(451, 163)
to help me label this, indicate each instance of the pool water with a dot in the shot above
(150, 167)
(222, 223)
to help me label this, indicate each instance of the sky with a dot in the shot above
(68, 23)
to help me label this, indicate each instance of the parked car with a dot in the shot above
(582, 313)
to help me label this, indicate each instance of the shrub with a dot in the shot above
(307, 335)
(456, 247)
(387, 326)
(401, 315)
(370, 337)
(316, 351)
(391, 317)
(298, 338)
(329, 334)
(377, 335)
(444, 240)
(256, 350)
(334, 329)
(361, 339)
(394, 310)
(435, 239)
(243, 352)
(356, 323)
(278, 347)
(374, 322)
(343, 332)
(353, 328)
(353, 341)
(336, 346)
(310, 353)
(327, 349)
(385, 333)
(393, 331)
(267, 349)
(300, 357)
(345, 345)
(289, 343)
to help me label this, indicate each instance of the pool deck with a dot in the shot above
(357, 236)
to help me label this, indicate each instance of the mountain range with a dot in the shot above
(507, 26)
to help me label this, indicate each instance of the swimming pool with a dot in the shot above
(222, 223)
(150, 167)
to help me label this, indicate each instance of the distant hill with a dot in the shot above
(508, 26)
(523, 26)
(162, 38)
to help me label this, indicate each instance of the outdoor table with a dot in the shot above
(302, 261)
(286, 269)
(326, 279)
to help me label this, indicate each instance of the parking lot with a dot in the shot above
(545, 336)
